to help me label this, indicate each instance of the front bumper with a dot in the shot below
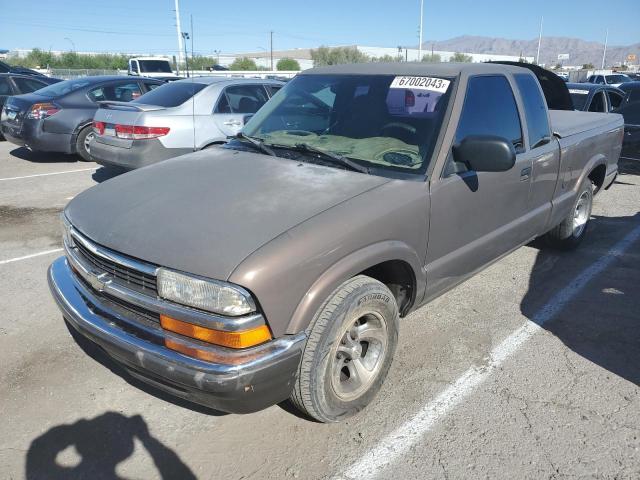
(139, 153)
(31, 134)
(244, 381)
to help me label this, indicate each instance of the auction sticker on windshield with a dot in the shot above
(439, 85)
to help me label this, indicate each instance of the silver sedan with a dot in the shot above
(176, 118)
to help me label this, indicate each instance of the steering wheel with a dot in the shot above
(403, 126)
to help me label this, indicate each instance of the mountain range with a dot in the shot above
(580, 51)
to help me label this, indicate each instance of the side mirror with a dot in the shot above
(247, 117)
(485, 153)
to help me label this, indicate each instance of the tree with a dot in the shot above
(243, 63)
(622, 68)
(431, 58)
(588, 66)
(387, 59)
(287, 64)
(461, 58)
(558, 66)
(338, 55)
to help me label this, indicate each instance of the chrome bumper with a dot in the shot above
(242, 381)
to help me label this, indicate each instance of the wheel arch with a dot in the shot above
(393, 263)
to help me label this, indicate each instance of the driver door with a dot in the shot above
(475, 216)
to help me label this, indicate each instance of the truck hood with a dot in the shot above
(205, 212)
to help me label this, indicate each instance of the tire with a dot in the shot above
(340, 371)
(82, 143)
(571, 231)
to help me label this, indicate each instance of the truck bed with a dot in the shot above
(565, 123)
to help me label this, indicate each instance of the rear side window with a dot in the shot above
(123, 92)
(171, 94)
(242, 99)
(534, 109)
(598, 103)
(490, 109)
(28, 85)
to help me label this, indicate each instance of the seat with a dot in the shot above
(248, 105)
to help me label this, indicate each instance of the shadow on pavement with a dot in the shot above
(105, 173)
(101, 443)
(100, 356)
(43, 157)
(602, 322)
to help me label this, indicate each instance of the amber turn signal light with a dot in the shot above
(240, 339)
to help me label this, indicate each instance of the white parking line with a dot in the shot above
(27, 257)
(47, 174)
(398, 442)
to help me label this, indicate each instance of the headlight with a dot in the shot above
(66, 231)
(210, 295)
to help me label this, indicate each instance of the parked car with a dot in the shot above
(613, 79)
(277, 266)
(58, 118)
(17, 84)
(592, 97)
(177, 118)
(6, 68)
(630, 110)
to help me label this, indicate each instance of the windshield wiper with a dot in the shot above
(257, 143)
(334, 157)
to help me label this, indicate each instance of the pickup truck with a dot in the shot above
(278, 265)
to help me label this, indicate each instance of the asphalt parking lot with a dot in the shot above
(529, 370)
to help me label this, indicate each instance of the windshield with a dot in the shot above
(62, 88)
(170, 94)
(579, 97)
(386, 123)
(155, 66)
(618, 79)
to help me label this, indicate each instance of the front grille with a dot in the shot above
(128, 277)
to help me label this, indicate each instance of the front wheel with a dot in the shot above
(571, 231)
(83, 141)
(350, 346)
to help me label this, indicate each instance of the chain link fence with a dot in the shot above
(70, 73)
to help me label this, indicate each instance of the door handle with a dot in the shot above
(525, 173)
(233, 123)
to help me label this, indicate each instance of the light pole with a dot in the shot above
(217, 54)
(73, 45)
(539, 42)
(179, 32)
(420, 35)
(604, 52)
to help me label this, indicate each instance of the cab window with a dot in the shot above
(490, 109)
(535, 110)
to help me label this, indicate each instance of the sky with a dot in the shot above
(243, 26)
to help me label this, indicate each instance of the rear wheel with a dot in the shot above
(573, 228)
(349, 350)
(83, 148)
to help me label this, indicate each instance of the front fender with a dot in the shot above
(348, 267)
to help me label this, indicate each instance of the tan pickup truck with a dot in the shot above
(278, 266)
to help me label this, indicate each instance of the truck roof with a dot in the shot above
(413, 68)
